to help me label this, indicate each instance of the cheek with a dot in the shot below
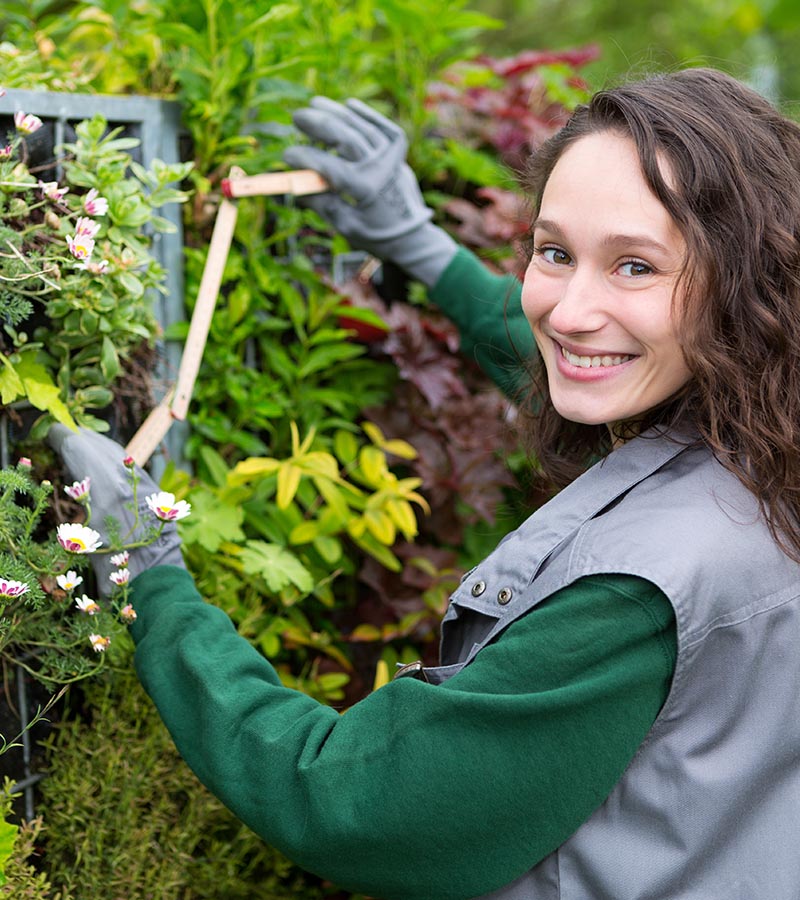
(535, 303)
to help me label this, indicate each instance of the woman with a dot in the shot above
(616, 710)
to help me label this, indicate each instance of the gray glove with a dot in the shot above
(88, 453)
(376, 202)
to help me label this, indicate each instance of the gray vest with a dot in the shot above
(709, 808)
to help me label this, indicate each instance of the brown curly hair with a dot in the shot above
(734, 193)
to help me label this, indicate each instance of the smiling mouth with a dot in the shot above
(594, 362)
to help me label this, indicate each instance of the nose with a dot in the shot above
(579, 306)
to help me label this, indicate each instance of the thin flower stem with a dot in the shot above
(26, 262)
(39, 676)
(38, 716)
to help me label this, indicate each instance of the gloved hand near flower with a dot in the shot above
(113, 488)
(375, 201)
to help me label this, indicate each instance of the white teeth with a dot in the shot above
(593, 362)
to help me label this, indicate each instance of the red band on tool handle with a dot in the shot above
(226, 188)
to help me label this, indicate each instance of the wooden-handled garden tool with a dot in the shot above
(175, 404)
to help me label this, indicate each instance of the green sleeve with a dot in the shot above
(418, 792)
(487, 311)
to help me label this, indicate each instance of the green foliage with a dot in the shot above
(279, 531)
(90, 281)
(8, 831)
(19, 845)
(126, 817)
(276, 350)
(68, 45)
(751, 39)
(37, 628)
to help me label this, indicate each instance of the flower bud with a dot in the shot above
(17, 208)
(52, 220)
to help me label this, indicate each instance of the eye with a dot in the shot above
(554, 255)
(634, 268)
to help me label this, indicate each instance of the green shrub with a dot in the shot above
(126, 817)
(19, 847)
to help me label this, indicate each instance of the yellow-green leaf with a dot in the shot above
(329, 548)
(319, 464)
(334, 498)
(254, 467)
(400, 448)
(381, 526)
(304, 533)
(288, 482)
(11, 386)
(345, 446)
(373, 465)
(381, 675)
(365, 632)
(374, 433)
(42, 391)
(397, 447)
(8, 835)
(403, 516)
(377, 550)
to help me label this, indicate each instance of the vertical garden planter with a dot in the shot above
(155, 124)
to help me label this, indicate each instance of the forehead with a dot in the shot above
(598, 184)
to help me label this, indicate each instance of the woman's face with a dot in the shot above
(598, 291)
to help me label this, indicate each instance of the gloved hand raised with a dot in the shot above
(86, 453)
(376, 202)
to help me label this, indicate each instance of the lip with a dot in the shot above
(578, 373)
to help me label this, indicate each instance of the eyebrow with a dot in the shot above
(609, 240)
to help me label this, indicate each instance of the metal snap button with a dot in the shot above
(478, 588)
(504, 595)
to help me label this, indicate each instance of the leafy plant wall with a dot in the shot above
(336, 501)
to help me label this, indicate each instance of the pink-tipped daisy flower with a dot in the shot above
(86, 227)
(10, 589)
(94, 204)
(26, 123)
(165, 507)
(52, 191)
(121, 576)
(120, 560)
(127, 614)
(78, 538)
(79, 490)
(80, 246)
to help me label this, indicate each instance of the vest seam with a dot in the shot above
(737, 617)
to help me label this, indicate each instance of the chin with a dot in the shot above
(584, 417)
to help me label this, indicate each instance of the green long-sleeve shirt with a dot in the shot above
(487, 310)
(417, 792)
